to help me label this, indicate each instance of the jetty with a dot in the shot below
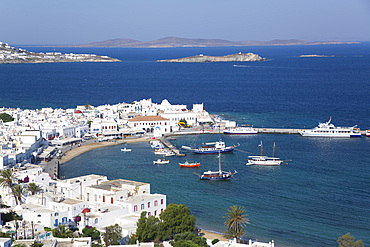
(169, 145)
(278, 131)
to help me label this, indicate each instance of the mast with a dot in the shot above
(203, 134)
(273, 152)
(261, 148)
(219, 162)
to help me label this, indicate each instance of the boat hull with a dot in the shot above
(215, 177)
(213, 151)
(189, 165)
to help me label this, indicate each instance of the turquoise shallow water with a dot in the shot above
(322, 194)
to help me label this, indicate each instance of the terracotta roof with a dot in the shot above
(148, 118)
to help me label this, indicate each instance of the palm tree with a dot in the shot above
(19, 191)
(62, 232)
(7, 178)
(235, 221)
(33, 188)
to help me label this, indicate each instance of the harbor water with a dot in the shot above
(321, 194)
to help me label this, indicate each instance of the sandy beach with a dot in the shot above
(76, 151)
(212, 235)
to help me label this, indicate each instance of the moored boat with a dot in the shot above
(367, 133)
(161, 162)
(125, 149)
(212, 148)
(264, 160)
(240, 131)
(217, 175)
(329, 130)
(189, 164)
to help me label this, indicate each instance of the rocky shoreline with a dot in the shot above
(239, 57)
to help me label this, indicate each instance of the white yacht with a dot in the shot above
(329, 130)
(264, 160)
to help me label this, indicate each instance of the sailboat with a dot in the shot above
(217, 175)
(212, 148)
(264, 160)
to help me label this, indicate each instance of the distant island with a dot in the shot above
(10, 54)
(239, 57)
(169, 42)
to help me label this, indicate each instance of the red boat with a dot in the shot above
(187, 164)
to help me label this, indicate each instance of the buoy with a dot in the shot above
(286, 163)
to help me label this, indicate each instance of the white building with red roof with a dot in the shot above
(151, 124)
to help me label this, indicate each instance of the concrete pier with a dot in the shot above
(278, 131)
(169, 145)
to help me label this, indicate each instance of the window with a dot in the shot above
(96, 221)
(39, 215)
(149, 213)
(135, 208)
(148, 204)
(155, 213)
(155, 203)
(161, 201)
(142, 206)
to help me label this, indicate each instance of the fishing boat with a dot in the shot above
(240, 131)
(162, 161)
(212, 148)
(329, 130)
(264, 160)
(125, 149)
(189, 164)
(217, 175)
(367, 133)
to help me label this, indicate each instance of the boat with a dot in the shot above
(240, 131)
(125, 149)
(156, 144)
(367, 133)
(161, 162)
(264, 160)
(217, 175)
(164, 152)
(187, 164)
(212, 148)
(329, 130)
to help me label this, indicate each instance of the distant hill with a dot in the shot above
(184, 42)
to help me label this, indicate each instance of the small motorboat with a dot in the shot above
(367, 133)
(189, 164)
(160, 162)
(125, 149)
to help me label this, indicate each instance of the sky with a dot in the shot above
(85, 21)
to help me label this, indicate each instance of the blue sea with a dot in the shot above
(321, 194)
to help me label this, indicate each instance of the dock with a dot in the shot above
(278, 131)
(169, 145)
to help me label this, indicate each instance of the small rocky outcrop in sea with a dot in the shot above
(239, 57)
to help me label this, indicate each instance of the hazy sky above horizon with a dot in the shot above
(85, 21)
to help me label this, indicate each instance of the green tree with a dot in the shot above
(348, 241)
(62, 232)
(19, 192)
(188, 239)
(6, 117)
(33, 188)
(112, 235)
(91, 232)
(235, 222)
(175, 219)
(7, 178)
(36, 244)
(147, 228)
